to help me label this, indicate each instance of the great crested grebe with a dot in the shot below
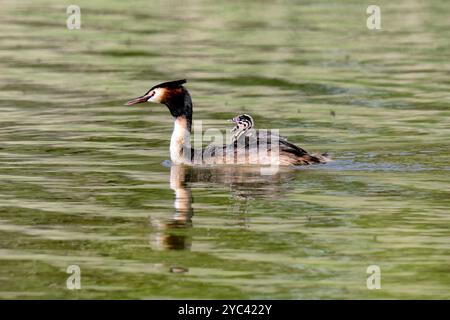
(178, 101)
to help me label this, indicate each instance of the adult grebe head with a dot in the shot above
(172, 94)
(160, 93)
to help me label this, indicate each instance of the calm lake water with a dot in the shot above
(86, 181)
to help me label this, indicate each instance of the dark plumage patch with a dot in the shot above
(169, 85)
(179, 103)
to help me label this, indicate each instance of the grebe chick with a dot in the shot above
(245, 128)
(245, 132)
(178, 101)
(244, 123)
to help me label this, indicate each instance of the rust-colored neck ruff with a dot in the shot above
(180, 105)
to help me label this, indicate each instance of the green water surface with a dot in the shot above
(85, 180)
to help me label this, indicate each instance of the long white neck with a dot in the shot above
(180, 143)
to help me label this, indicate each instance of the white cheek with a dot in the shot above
(157, 97)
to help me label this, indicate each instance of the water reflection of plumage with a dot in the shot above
(172, 234)
(245, 183)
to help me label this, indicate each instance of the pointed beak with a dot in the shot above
(137, 100)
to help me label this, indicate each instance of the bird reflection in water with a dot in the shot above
(172, 234)
(245, 182)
